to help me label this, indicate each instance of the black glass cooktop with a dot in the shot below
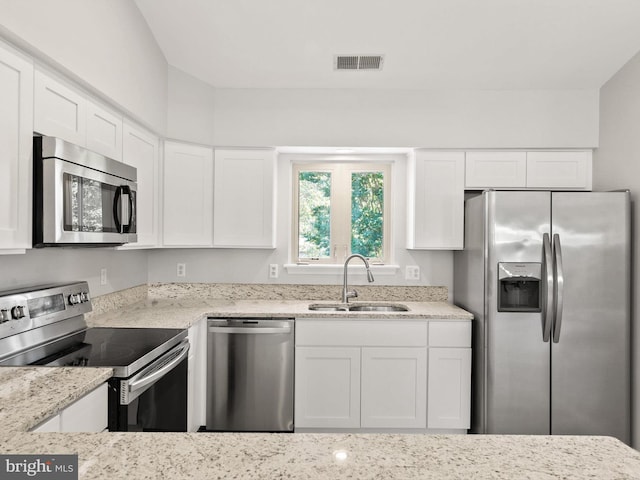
(124, 349)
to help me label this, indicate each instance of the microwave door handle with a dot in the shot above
(117, 202)
(126, 208)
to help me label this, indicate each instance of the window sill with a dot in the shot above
(337, 269)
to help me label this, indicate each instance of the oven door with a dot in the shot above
(83, 205)
(153, 399)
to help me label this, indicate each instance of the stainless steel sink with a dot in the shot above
(389, 307)
(328, 307)
(359, 307)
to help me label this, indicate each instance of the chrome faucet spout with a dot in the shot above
(346, 293)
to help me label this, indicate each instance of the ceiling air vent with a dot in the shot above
(358, 62)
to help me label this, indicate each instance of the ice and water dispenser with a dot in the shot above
(519, 287)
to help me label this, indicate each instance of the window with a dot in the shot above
(340, 209)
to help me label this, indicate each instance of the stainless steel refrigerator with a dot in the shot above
(547, 277)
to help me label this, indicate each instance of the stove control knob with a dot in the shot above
(74, 299)
(5, 316)
(17, 312)
(84, 297)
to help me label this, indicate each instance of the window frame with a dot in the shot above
(340, 237)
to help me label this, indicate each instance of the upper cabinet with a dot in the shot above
(244, 204)
(561, 169)
(140, 150)
(60, 110)
(16, 119)
(435, 203)
(187, 195)
(104, 131)
(496, 170)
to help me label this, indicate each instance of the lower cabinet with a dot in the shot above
(382, 374)
(327, 387)
(88, 414)
(197, 376)
(393, 386)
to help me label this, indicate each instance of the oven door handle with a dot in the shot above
(159, 368)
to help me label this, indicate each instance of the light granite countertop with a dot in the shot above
(317, 456)
(183, 312)
(30, 395)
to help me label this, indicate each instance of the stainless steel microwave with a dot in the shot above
(81, 198)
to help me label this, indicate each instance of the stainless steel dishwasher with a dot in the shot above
(250, 374)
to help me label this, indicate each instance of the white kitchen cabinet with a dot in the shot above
(140, 150)
(560, 169)
(566, 170)
(436, 200)
(327, 387)
(498, 169)
(52, 424)
(87, 414)
(360, 374)
(197, 380)
(59, 109)
(187, 195)
(449, 385)
(104, 131)
(16, 121)
(64, 111)
(244, 199)
(394, 387)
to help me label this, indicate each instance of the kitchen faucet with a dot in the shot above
(346, 294)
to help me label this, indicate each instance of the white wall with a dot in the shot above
(52, 265)
(251, 265)
(105, 43)
(617, 166)
(190, 108)
(406, 118)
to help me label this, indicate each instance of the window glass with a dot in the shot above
(340, 209)
(314, 216)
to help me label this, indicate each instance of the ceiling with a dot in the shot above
(427, 44)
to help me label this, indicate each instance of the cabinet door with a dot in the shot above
(496, 170)
(449, 398)
(436, 201)
(188, 195)
(59, 111)
(327, 387)
(570, 170)
(140, 150)
(244, 199)
(104, 131)
(16, 120)
(89, 414)
(394, 387)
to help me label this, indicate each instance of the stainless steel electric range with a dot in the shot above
(45, 326)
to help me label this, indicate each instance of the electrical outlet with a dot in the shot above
(181, 270)
(412, 272)
(273, 270)
(103, 276)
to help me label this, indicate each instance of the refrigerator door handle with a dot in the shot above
(558, 287)
(549, 285)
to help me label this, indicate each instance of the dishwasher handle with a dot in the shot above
(250, 330)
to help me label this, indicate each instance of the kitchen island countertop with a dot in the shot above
(322, 456)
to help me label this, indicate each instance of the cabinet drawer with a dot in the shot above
(386, 333)
(450, 334)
